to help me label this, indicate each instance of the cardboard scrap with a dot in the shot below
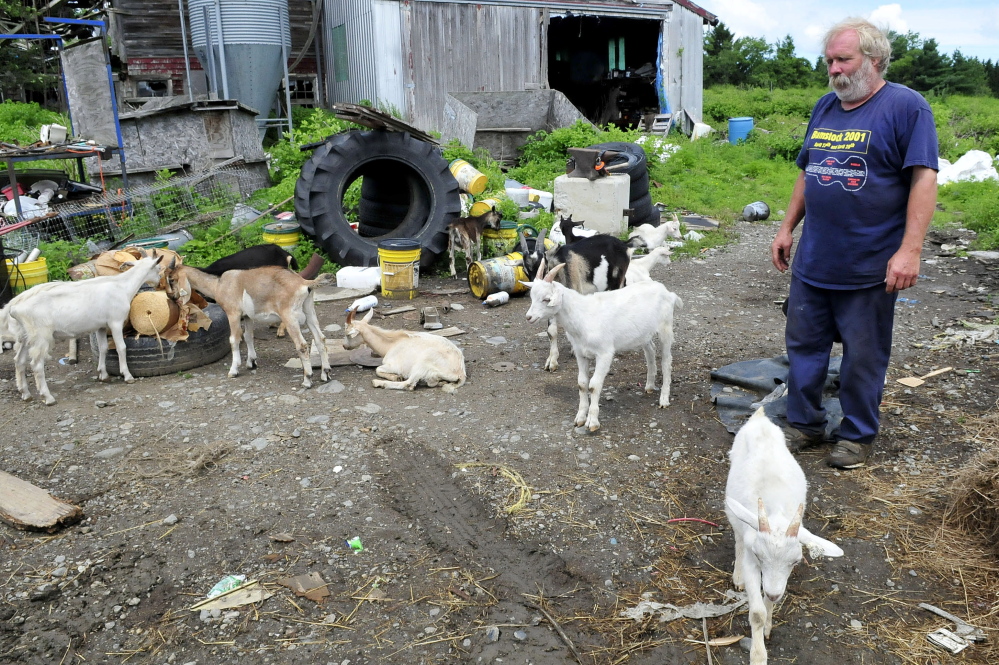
(307, 585)
(244, 594)
(29, 507)
(282, 537)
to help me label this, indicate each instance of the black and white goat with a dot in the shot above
(465, 234)
(567, 231)
(594, 264)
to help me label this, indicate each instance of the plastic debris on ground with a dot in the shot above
(669, 612)
(970, 335)
(973, 165)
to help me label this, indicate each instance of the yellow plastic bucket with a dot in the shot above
(502, 273)
(469, 178)
(23, 276)
(482, 207)
(505, 238)
(399, 259)
(283, 234)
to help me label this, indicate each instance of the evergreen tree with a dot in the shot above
(720, 59)
(968, 76)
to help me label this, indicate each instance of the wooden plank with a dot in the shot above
(26, 506)
(448, 332)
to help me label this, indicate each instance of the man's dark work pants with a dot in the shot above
(863, 318)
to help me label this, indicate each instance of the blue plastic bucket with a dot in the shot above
(738, 129)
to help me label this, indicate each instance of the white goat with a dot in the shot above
(601, 324)
(650, 237)
(266, 295)
(765, 475)
(408, 357)
(68, 310)
(640, 266)
(8, 332)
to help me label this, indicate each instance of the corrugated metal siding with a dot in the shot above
(362, 54)
(461, 47)
(391, 70)
(692, 62)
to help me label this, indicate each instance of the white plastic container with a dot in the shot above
(363, 304)
(497, 299)
(356, 277)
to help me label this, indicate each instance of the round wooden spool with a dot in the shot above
(153, 312)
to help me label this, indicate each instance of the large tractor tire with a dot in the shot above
(407, 192)
(633, 161)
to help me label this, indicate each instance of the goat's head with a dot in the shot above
(533, 260)
(178, 287)
(492, 219)
(546, 294)
(775, 546)
(351, 332)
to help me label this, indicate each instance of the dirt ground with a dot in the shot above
(493, 531)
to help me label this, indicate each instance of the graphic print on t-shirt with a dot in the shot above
(848, 169)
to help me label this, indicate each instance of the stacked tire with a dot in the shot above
(631, 160)
(407, 191)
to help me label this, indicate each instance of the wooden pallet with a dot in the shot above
(375, 119)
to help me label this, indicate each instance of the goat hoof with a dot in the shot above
(49, 401)
(551, 367)
(663, 405)
(26, 398)
(130, 379)
(71, 361)
(594, 428)
(233, 375)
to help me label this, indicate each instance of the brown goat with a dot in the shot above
(466, 233)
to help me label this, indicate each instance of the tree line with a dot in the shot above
(916, 63)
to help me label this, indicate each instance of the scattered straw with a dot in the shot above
(521, 491)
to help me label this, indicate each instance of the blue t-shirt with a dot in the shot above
(857, 166)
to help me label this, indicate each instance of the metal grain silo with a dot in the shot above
(256, 38)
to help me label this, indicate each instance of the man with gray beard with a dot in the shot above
(866, 192)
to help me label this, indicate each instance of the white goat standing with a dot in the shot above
(640, 267)
(408, 357)
(601, 324)
(267, 295)
(768, 542)
(68, 310)
(650, 237)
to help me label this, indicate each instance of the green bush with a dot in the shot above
(974, 205)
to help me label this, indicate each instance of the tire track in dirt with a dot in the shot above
(456, 522)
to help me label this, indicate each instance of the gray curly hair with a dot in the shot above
(873, 40)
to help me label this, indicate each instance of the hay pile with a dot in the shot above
(975, 506)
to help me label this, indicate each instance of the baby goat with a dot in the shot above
(67, 310)
(408, 357)
(650, 237)
(265, 295)
(641, 266)
(466, 234)
(765, 476)
(601, 324)
(592, 265)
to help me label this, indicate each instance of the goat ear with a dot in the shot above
(792, 528)
(742, 513)
(553, 272)
(813, 542)
(764, 522)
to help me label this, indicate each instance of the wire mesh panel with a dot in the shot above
(161, 207)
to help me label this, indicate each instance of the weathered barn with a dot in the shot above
(615, 60)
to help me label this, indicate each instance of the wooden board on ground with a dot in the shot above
(448, 332)
(26, 506)
(307, 585)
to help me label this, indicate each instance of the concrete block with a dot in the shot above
(599, 203)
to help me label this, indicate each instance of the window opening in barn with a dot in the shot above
(153, 88)
(606, 66)
(302, 90)
(340, 70)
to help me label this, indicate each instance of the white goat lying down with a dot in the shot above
(765, 476)
(600, 325)
(640, 267)
(67, 310)
(266, 295)
(408, 357)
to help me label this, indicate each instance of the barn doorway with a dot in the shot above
(606, 66)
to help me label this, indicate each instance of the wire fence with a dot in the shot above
(114, 218)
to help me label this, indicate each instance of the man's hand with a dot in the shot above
(903, 269)
(780, 249)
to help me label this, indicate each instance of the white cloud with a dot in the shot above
(889, 16)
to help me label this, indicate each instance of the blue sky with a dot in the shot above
(971, 26)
